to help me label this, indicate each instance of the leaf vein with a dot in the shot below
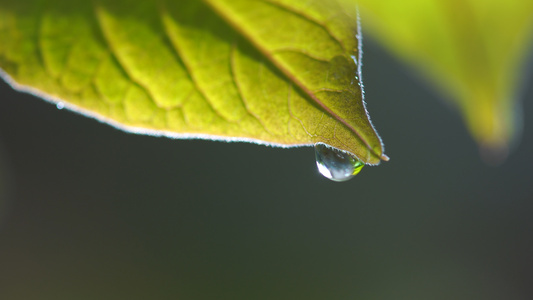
(39, 48)
(186, 64)
(308, 18)
(302, 52)
(112, 52)
(239, 89)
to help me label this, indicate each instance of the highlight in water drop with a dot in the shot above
(60, 105)
(336, 164)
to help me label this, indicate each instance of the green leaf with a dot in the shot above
(472, 50)
(278, 72)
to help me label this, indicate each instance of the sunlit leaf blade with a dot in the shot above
(472, 50)
(279, 72)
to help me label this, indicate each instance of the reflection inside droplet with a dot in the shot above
(335, 164)
(60, 105)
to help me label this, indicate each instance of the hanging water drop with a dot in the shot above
(60, 105)
(335, 164)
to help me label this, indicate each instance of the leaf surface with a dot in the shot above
(472, 50)
(279, 72)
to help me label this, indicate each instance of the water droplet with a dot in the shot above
(60, 105)
(336, 164)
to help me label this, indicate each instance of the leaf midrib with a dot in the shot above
(256, 44)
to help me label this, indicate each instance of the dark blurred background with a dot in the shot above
(90, 212)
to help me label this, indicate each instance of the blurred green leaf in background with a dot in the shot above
(473, 51)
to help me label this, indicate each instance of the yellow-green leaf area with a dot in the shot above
(278, 72)
(472, 50)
